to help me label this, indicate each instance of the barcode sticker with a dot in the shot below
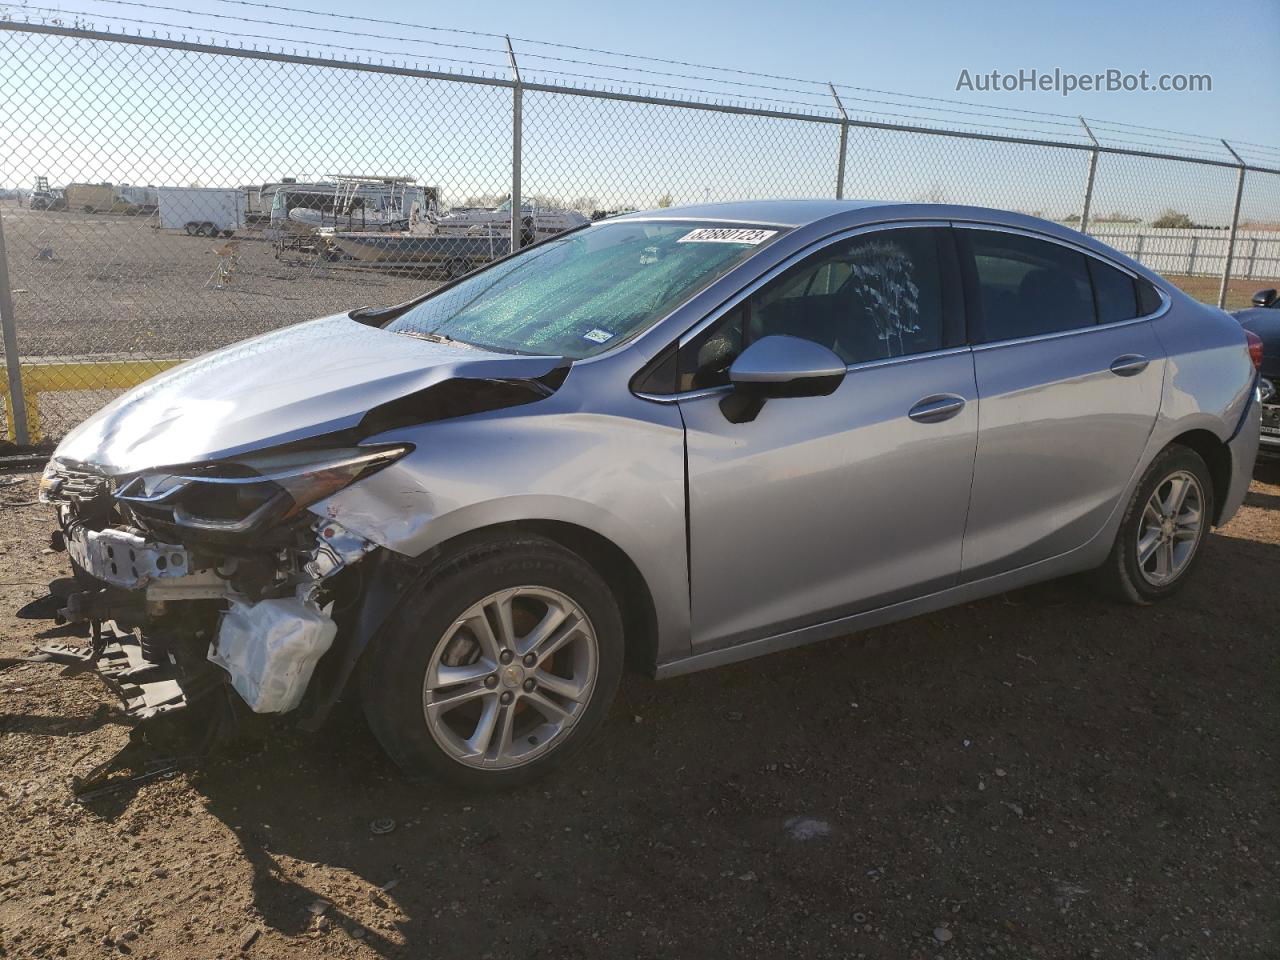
(727, 235)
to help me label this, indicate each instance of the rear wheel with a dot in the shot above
(1164, 528)
(499, 669)
(456, 267)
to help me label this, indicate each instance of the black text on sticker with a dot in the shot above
(726, 235)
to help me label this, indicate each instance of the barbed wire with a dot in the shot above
(812, 98)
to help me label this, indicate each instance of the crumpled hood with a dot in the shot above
(302, 381)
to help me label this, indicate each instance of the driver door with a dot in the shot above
(822, 507)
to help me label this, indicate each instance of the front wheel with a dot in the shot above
(499, 669)
(1163, 530)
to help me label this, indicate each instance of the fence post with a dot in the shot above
(1088, 183)
(844, 141)
(15, 399)
(517, 130)
(1235, 224)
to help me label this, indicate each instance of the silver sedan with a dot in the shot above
(673, 439)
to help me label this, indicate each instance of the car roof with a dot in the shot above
(825, 215)
(781, 213)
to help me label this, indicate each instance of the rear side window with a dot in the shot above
(1148, 298)
(1028, 287)
(1113, 292)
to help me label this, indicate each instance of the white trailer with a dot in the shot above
(202, 211)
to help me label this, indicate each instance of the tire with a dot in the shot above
(191, 229)
(208, 230)
(1124, 575)
(429, 634)
(456, 267)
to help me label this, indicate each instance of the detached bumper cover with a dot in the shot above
(146, 688)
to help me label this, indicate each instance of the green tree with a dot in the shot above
(1173, 219)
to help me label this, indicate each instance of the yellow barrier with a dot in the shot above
(64, 375)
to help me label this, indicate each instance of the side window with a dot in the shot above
(1028, 287)
(705, 361)
(1113, 293)
(867, 298)
(873, 296)
(1148, 300)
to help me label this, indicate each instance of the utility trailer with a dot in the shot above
(202, 211)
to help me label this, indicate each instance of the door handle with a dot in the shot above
(1129, 365)
(935, 409)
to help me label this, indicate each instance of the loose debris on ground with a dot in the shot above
(1038, 775)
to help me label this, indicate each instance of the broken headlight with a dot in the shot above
(252, 492)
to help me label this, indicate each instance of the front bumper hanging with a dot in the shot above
(142, 674)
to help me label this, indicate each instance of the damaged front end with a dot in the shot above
(191, 577)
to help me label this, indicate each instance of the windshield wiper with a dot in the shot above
(439, 338)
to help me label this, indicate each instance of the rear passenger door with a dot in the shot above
(1069, 375)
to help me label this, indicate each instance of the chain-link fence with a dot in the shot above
(166, 198)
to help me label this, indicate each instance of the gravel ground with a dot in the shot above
(1041, 774)
(105, 287)
(118, 285)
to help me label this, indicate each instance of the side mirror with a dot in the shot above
(779, 366)
(1265, 298)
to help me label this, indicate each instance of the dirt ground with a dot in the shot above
(115, 287)
(1042, 774)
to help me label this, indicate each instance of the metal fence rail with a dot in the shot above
(139, 155)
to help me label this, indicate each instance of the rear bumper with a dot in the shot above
(1244, 452)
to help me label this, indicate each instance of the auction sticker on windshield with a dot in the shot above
(726, 235)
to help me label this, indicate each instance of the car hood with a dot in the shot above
(298, 382)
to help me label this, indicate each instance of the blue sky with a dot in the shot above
(911, 46)
(920, 46)
(201, 128)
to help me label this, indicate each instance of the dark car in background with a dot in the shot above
(1263, 321)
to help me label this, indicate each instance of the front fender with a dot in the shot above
(621, 478)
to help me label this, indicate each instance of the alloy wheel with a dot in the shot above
(1170, 530)
(510, 678)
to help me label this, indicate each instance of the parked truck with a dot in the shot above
(202, 211)
(90, 197)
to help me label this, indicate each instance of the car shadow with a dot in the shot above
(942, 748)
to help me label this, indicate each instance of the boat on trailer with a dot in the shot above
(350, 203)
(537, 223)
(456, 254)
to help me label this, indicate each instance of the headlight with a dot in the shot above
(253, 491)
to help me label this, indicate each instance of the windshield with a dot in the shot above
(581, 294)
